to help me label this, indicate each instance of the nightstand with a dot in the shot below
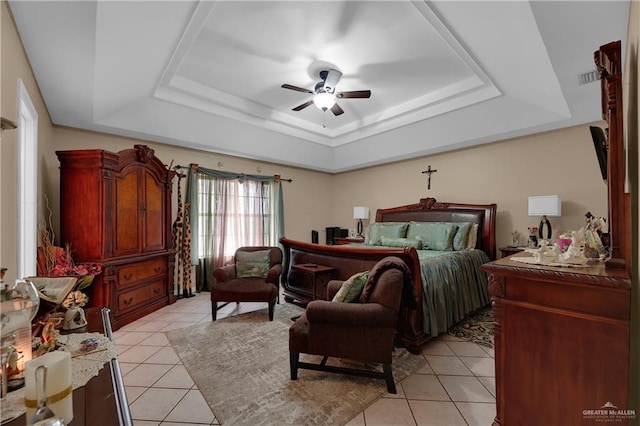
(509, 250)
(314, 272)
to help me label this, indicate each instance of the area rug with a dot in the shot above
(241, 367)
(477, 328)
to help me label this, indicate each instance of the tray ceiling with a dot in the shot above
(208, 75)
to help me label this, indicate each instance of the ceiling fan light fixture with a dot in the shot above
(324, 100)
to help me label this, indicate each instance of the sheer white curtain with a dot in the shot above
(232, 213)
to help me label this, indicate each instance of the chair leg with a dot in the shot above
(293, 364)
(271, 309)
(214, 310)
(388, 377)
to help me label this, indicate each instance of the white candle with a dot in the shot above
(59, 388)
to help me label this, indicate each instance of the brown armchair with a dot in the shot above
(229, 287)
(362, 331)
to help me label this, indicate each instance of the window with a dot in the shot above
(240, 213)
(232, 214)
(27, 184)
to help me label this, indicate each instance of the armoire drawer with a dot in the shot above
(131, 299)
(136, 272)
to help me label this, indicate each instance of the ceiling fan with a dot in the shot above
(324, 93)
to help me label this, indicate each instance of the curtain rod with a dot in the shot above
(195, 169)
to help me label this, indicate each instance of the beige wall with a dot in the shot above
(560, 162)
(15, 65)
(307, 199)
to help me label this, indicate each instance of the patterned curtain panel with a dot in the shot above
(231, 210)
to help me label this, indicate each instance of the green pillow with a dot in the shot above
(473, 237)
(377, 230)
(252, 263)
(462, 236)
(434, 235)
(351, 288)
(401, 242)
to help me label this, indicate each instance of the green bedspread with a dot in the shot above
(453, 285)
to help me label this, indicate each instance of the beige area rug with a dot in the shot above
(241, 367)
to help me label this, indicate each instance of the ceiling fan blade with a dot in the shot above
(354, 94)
(336, 110)
(303, 106)
(296, 88)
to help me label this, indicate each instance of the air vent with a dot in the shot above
(588, 77)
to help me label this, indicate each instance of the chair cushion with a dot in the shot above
(252, 289)
(351, 288)
(252, 263)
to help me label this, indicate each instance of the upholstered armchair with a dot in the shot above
(362, 331)
(253, 277)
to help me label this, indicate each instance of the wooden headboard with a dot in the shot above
(429, 210)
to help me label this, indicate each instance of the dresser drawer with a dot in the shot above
(136, 272)
(132, 299)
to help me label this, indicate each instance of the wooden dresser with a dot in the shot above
(561, 342)
(115, 209)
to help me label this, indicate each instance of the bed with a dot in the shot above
(447, 286)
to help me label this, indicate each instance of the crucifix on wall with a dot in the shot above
(429, 172)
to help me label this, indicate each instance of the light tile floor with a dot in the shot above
(456, 386)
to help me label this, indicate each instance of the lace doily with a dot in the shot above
(84, 366)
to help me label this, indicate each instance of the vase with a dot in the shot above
(74, 318)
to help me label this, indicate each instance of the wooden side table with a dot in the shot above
(314, 271)
(509, 250)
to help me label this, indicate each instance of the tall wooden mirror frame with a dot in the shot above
(609, 66)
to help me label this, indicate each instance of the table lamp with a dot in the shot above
(360, 213)
(545, 206)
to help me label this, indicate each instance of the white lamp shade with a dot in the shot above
(545, 205)
(361, 212)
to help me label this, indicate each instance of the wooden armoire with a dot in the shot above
(115, 209)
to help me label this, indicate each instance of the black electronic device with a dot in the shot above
(601, 147)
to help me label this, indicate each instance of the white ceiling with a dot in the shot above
(207, 74)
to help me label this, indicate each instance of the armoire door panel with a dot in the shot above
(154, 216)
(127, 215)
